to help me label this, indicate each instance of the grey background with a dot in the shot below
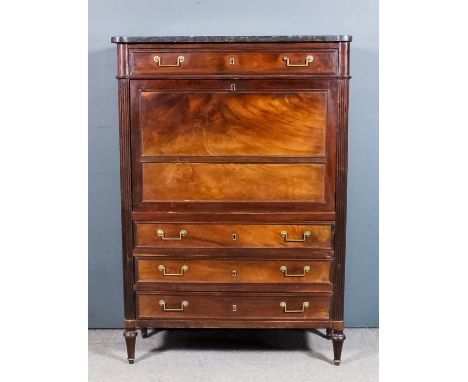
(216, 17)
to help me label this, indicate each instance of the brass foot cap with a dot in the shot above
(337, 362)
(131, 361)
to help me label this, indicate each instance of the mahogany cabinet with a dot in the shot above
(233, 178)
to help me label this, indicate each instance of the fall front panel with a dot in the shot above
(233, 123)
(233, 145)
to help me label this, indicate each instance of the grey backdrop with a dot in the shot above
(219, 17)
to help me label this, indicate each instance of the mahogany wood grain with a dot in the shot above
(221, 236)
(317, 165)
(250, 62)
(246, 146)
(233, 182)
(233, 124)
(232, 271)
(247, 306)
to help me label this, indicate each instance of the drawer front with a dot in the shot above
(189, 62)
(164, 305)
(232, 271)
(233, 235)
(233, 182)
(224, 123)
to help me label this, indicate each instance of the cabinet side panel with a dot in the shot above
(341, 190)
(126, 197)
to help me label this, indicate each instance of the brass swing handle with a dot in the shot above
(305, 305)
(182, 233)
(183, 269)
(308, 60)
(305, 235)
(183, 305)
(284, 269)
(158, 60)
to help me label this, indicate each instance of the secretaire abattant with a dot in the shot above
(233, 156)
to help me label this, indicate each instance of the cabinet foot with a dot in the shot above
(337, 338)
(130, 340)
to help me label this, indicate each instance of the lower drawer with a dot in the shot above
(232, 271)
(232, 306)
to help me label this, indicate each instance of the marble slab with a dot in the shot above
(227, 39)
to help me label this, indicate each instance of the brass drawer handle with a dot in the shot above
(158, 60)
(182, 233)
(305, 305)
(305, 235)
(284, 269)
(183, 305)
(183, 269)
(308, 60)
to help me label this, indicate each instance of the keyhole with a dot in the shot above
(232, 61)
(234, 308)
(234, 236)
(234, 273)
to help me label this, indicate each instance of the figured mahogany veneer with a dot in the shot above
(233, 235)
(232, 271)
(229, 306)
(233, 180)
(207, 123)
(142, 62)
(274, 139)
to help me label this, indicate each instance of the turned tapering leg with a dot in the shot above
(337, 338)
(329, 333)
(130, 339)
(144, 332)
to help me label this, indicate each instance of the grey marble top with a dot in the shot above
(182, 39)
